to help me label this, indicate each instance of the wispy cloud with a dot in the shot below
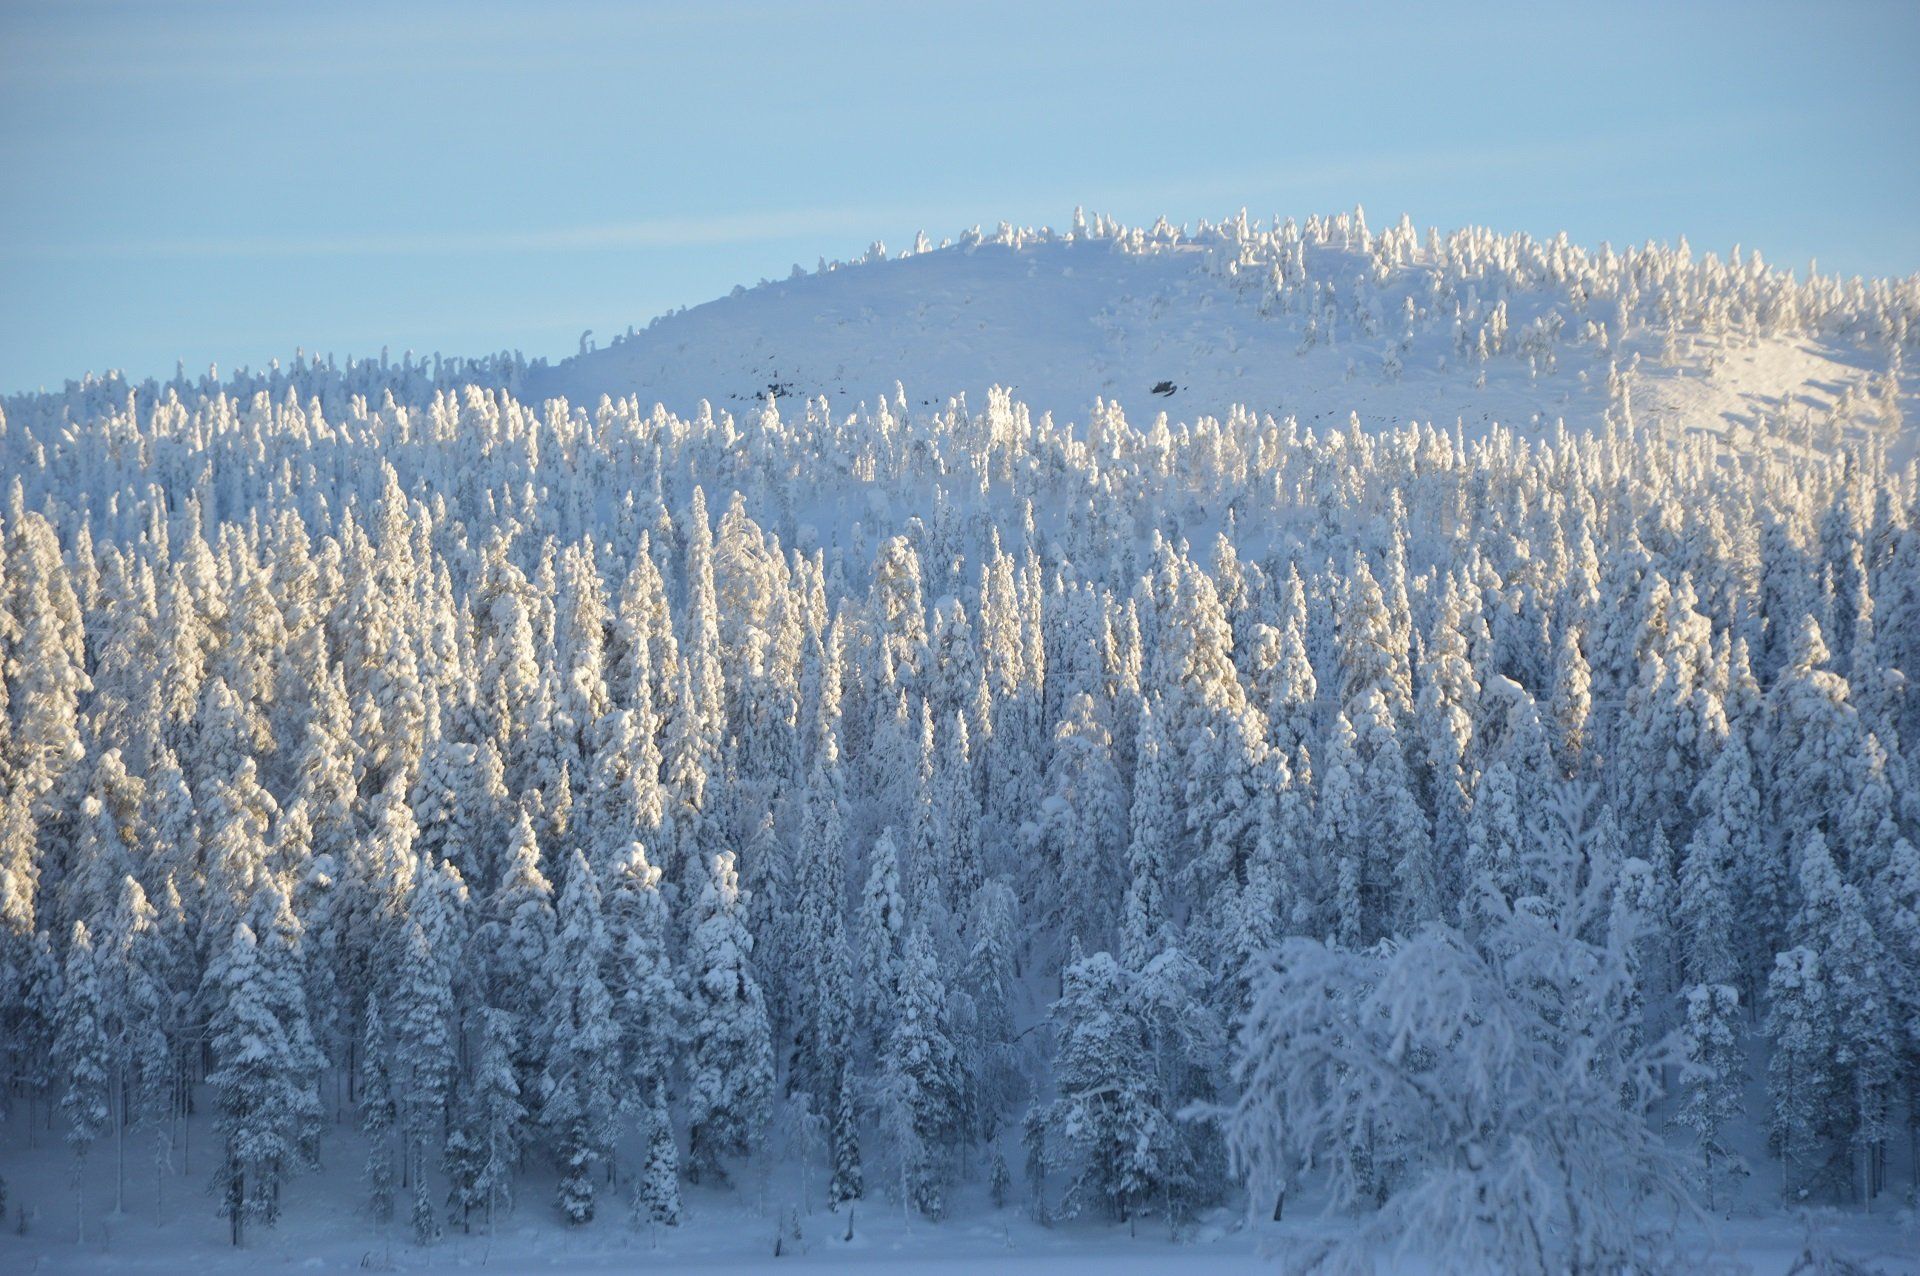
(644, 233)
(1173, 193)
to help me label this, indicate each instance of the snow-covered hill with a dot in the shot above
(1314, 323)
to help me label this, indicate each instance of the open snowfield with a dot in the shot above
(729, 1232)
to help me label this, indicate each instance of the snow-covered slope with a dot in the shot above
(1316, 324)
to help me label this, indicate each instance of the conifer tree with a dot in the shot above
(82, 1055)
(1445, 713)
(419, 1008)
(657, 1190)
(1832, 921)
(378, 1112)
(647, 1005)
(993, 1075)
(1106, 1129)
(1491, 871)
(255, 1087)
(955, 811)
(131, 967)
(1800, 1078)
(577, 1089)
(1153, 829)
(1083, 823)
(280, 941)
(498, 1115)
(1704, 908)
(730, 1071)
(521, 937)
(1711, 1101)
(836, 1033)
(815, 925)
(883, 928)
(920, 1082)
(1342, 833)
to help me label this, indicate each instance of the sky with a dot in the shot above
(227, 182)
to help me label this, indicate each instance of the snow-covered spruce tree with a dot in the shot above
(922, 869)
(254, 1085)
(1107, 1130)
(1373, 653)
(1571, 702)
(919, 1087)
(730, 1071)
(462, 1160)
(657, 1187)
(48, 673)
(82, 1055)
(131, 962)
(1152, 833)
(834, 1028)
(496, 1118)
(101, 855)
(1712, 1083)
(1832, 922)
(1277, 897)
(1444, 714)
(1898, 896)
(1672, 719)
(1401, 867)
(1813, 734)
(1713, 859)
(647, 1005)
(883, 932)
(1220, 736)
(1291, 684)
(1807, 1101)
(956, 814)
(994, 1075)
(1715, 1078)
(1502, 1075)
(1186, 1045)
(280, 950)
(815, 928)
(577, 1088)
(419, 1007)
(1491, 872)
(1341, 835)
(519, 939)
(378, 1111)
(1082, 824)
(32, 1018)
(237, 818)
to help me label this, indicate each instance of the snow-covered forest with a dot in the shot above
(1502, 839)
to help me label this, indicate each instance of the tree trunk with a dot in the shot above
(120, 1149)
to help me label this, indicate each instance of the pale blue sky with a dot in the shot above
(227, 181)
